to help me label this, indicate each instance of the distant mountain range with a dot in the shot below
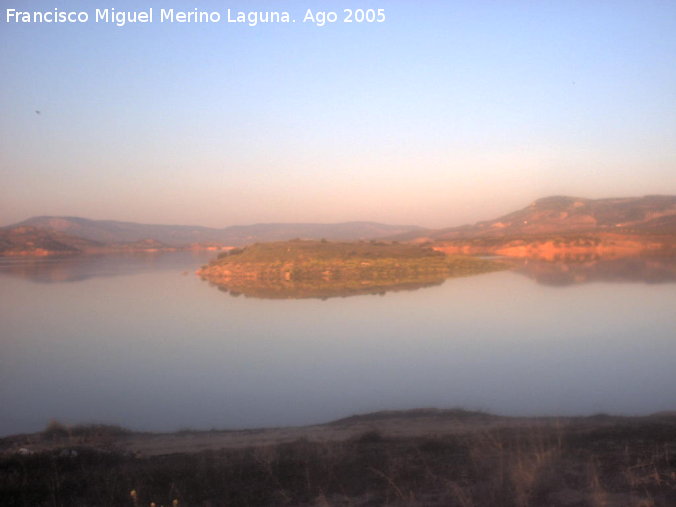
(72, 234)
(617, 223)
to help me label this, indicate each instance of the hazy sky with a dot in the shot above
(448, 112)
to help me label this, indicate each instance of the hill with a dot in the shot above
(115, 232)
(570, 227)
(547, 227)
(654, 214)
(26, 240)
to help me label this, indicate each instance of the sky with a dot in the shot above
(446, 113)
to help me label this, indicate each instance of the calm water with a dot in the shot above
(140, 341)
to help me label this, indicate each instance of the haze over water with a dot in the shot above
(140, 341)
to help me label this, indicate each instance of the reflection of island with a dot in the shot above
(627, 269)
(320, 269)
(266, 288)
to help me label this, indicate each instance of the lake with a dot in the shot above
(140, 341)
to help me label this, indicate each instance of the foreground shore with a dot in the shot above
(419, 457)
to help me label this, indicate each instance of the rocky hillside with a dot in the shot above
(566, 227)
(655, 214)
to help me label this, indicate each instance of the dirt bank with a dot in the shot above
(421, 458)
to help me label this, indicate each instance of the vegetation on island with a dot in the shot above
(322, 269)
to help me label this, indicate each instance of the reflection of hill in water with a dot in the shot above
(75, 268)
(276, 288)
(628, 269)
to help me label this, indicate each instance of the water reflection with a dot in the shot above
(553, 273)
(323, 289)
(628, 269)
(159, 351)
(77, 268)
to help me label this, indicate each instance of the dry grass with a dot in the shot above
(510, 463)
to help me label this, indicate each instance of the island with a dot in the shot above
(322, 269)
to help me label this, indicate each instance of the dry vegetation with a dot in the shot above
(423, 458)
(322, 269)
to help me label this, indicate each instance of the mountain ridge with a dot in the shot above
(563, 227)
(114, 231)
(547, 226)
(45, 235)
(564, 214)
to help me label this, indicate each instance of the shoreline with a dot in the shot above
(413, 423)
(424, 457)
